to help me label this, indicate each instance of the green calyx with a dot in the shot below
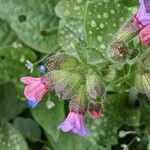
(95, 88)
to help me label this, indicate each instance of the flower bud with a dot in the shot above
(128, 31)
(117, 50)
(42, 69)
(95, 110)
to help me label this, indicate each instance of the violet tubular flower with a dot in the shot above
(35, 89)
(74, 123)
(75, 120)
(142, 18)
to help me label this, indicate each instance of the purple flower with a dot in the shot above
(142, 16)
(74, 123)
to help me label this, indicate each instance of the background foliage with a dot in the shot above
(84, 29)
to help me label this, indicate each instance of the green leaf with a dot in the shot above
(71, 142)
(7, 36)
(129, 3)
(124, 79)
(71, 9)
(10, 105)
(28, 128)
(19, 54)
(117, 112)
(71, 27)
(33, 21)
(12, 64)
(103, 19)
(10, 138)
(145, 111)
(49, 119)
(70, 31)
(89, 55)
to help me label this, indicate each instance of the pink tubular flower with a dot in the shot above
(35, 89)
(145, 36)
(74, 123)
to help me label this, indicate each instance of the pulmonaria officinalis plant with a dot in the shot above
(79, 81)
(66, 78)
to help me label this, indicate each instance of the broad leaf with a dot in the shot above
(70, 141)
(49, 119)
(102, 21)
(28, 127)
(10, 105)
(10, 138)
(33, 21)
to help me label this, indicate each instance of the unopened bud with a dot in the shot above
(128, 31)
(95, 110)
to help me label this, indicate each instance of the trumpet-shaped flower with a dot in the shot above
(74, 123)
(35, 89)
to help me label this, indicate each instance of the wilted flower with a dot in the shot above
(35, 89)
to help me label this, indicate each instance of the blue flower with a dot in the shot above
(42, 69)
(32, 103)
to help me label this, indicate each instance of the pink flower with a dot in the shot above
(35, 89)
(74, 123)
(145, 36)
(143, 14)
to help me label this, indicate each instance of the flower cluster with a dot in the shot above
(67, 81)
(78, 83)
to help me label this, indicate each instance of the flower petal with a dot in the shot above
(145, 36)
(29, 80)
(32, 103)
